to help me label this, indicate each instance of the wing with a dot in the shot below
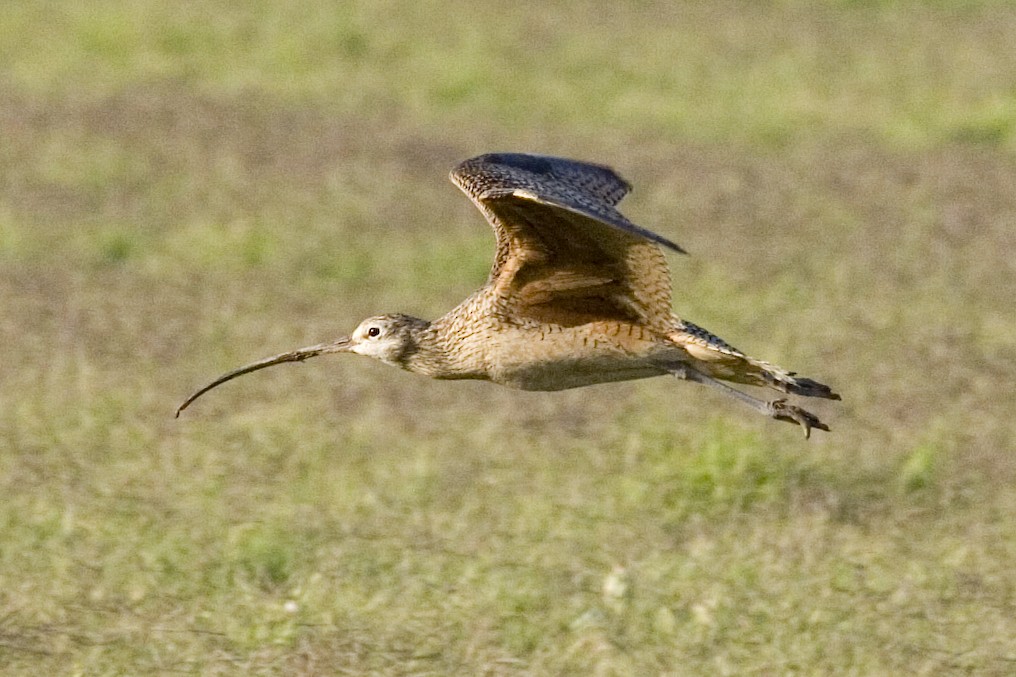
(564, 252)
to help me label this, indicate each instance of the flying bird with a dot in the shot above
(577, 295)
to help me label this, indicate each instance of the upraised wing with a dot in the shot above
(564, 252)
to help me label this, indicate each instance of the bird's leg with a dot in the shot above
(778, 409)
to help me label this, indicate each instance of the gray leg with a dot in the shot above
(778, 409)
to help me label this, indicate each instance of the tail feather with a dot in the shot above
(721, 360)
(788, 382)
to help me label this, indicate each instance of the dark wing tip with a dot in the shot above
(587, 188)
(537, 164)
(599, 180)
(659, 239)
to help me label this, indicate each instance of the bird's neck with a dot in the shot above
(431, 355)
(422, 353)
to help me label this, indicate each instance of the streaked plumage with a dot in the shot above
(577, 295)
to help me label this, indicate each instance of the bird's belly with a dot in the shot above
(568, 359)
(571, 374)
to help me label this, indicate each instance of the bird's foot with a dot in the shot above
(782, 411)
(778, 409)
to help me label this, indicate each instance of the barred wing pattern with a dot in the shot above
(563, 249)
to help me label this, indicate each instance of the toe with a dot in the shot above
(788, 412)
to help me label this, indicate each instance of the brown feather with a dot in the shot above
(549, 224)
(577, 295)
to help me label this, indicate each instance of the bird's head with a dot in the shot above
(391, 339)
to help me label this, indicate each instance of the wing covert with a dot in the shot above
(556, 225)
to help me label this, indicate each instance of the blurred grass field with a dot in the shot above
(185, 187)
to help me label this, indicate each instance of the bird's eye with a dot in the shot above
(373, 331)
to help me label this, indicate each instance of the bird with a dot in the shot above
(578, 295)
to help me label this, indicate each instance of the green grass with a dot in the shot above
(185, 188)
(713, 71)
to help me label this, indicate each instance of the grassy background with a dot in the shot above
(185, 187)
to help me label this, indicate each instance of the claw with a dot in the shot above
(780, 410)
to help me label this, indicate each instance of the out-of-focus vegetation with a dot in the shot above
(185, 187)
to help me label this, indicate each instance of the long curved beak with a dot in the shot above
(341, 345)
